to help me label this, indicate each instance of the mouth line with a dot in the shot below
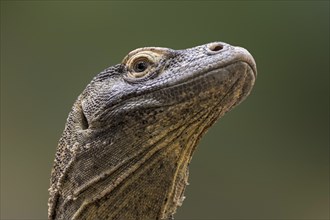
(194, 77)
(253, 68)
(202, 74)
(205, 73)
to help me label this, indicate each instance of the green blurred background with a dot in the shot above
(267, 159)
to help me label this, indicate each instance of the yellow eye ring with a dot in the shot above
(141, 65)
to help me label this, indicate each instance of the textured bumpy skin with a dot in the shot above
(130, 136)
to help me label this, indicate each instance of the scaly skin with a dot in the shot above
(130, 136)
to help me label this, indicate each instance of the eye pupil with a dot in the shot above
(140, 66)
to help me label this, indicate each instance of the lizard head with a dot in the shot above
(132, 132)
(215, 75)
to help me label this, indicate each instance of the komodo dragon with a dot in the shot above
(130, 136)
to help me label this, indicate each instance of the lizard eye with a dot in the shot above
(140, 66)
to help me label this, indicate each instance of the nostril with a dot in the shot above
(215, 47)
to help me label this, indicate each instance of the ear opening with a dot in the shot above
(83, 121)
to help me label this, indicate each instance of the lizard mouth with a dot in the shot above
(228, 63)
